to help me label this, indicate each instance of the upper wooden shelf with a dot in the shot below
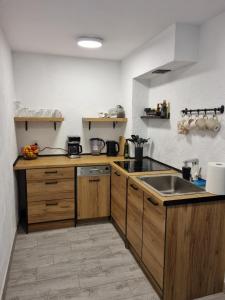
(38, 119)
(105, 120)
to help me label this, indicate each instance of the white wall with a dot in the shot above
(8, 155)
(197, 86)
(157, 52)
(78, 87)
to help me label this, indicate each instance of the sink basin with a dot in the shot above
(169, 185)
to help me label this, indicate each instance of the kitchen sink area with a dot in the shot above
(169, 185)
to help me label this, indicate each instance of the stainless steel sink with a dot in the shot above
(168, 185)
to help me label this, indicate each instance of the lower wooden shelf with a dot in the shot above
(38, 119)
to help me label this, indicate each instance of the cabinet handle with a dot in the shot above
(153, 201)
(51, 182)
(94, 180)
(134, 187)
(51, 203)
(116, 173)
(51, 172)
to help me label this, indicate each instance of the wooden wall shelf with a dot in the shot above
(38, 119)
(154, 117)
(114, 121)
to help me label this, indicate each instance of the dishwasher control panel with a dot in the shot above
(93, 171)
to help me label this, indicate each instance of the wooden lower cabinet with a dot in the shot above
(194, 250)
(134, 216)
(154, 219)
(50, 198)
(182, 247)
(93, 197)
(118, 198)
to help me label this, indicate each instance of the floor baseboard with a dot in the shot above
(9, 266)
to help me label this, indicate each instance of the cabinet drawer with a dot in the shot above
(50, 189)
(154, 237)
(50, 210)
(50, 173)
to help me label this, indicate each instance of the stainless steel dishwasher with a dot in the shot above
(93, 192)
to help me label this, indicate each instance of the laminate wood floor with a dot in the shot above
(82, 263)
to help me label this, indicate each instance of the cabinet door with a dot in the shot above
(134, 216)
(93, 193)
(154, 237)
(118, 198)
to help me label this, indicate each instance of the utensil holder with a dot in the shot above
(138, 153)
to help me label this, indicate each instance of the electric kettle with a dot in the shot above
(113, 148)
(96, 146)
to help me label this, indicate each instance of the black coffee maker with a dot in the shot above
(74, 147)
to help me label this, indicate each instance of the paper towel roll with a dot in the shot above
(216, 178)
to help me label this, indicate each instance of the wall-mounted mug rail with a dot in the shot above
(204, 110)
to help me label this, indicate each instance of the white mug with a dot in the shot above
(213, 124)
(192, 122)
(200, 123)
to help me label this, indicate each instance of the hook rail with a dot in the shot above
(205, 110)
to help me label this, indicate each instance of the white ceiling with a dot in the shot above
(51, 26)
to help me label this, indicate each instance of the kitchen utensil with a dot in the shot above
(97, 145)
(139, 153)
(113, 148)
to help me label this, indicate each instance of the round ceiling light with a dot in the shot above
(90, 42)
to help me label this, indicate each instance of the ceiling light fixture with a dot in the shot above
(90, 42)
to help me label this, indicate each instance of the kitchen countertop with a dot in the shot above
(63, 161)
(85, 160)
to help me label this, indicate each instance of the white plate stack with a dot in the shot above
(216, 178)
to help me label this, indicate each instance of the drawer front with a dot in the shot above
(50, 189)
(50, 173)
(154, 238)
(50, 210)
